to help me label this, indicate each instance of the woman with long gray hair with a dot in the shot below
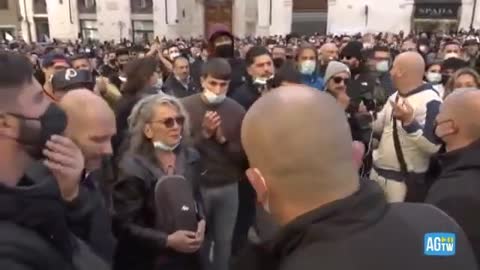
(156, 198)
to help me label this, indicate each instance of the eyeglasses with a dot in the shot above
(170, 121)
(338, 80)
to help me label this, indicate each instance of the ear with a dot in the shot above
(258, 183)
(147, 130)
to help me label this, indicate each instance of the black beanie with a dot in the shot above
(353, 48)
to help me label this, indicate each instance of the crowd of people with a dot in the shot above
(296, 152)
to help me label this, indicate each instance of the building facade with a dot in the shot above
(10, 19)
(146, 19)
(352, 16)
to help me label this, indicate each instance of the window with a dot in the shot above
(39, 7)
(142, 31)
(141, 6)
(3, 4)
(87, 6)
(42, 29)
(88, 29)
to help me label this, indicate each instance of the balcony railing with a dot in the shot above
(141, 6)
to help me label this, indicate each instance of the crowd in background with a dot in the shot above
(217, 153)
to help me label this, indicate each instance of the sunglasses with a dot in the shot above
(347, 57)
(170, 121)
(338, 80)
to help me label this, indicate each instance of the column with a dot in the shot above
(263, 22)
(238, 20)
(26, 11)
(165, 17)
(282, 11)
(63, 19)
(113, 20)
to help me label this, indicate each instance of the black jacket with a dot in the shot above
(89, 217)
(361, 232)
(140, 243)
(174, 88)
(34, 233)
(457, 190)
(246, 94)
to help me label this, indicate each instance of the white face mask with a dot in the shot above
(262, 81)
(308, 67)
(451, 55)
(158, 145)
(382, 66)
(174, 55)
(213, 98)
(434, 77)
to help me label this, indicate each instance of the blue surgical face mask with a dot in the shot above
(383, 66)
(308, 67)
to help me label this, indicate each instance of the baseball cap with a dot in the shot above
(71, 79)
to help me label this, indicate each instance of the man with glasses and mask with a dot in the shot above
(337, 77)
(216, 121)
(42, 170)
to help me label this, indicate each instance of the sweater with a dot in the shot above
(222, 164)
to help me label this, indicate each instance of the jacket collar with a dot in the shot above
(461, 159)
(421, 88)
(335, 220)
(36, 204)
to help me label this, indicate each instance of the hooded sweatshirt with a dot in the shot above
(239, 70)
(34, 233)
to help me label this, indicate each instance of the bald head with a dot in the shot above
(91, 125)
(300, 141)
(460, 106)
(328, 52)
(408, 71)
(84, 107)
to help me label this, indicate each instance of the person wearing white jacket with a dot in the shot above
(411, 111)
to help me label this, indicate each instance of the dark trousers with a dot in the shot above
(245, 217)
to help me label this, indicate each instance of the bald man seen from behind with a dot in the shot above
(91, 125)
(457, 189)
(406, 124)
(304, 175)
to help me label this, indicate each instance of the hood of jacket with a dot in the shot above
(466, 158)
(219, 30)
(36, 204)
(333, 221)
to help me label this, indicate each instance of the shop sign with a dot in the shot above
(436, 11)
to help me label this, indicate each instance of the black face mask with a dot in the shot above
(35, 132)
(278, 62)
(224, 51)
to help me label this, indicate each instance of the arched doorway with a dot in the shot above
(218, 12)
